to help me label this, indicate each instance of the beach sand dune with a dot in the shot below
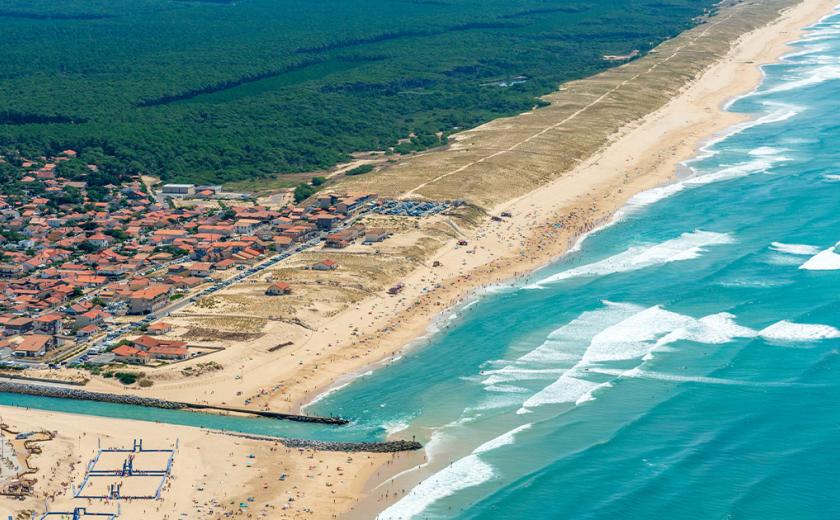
(560, 172)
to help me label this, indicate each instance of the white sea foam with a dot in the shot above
(582, 238)
(638, 373)
(467, 472)
(820, 59)
(782, 259)
(632, 338)
(506, 389)
(567, 389)
(494, 401)
(788, 331)
(832, 177)
(650, 331)
(396, 425)
(760, 164)
(513, 373)
(814, 76)
(590, 395)
(686, 247)
(794, 249)
(807, 51)
(827, 260)
(504, 439)
(821, 32)
(569, 341)
(714, 329)
(323, 395)
(763, 151)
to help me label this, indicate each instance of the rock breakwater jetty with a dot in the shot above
(61, 392)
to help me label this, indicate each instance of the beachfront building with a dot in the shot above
(162, 348)
(129, 354)
(325, 265)
(345, 237)
(278, 289)
(375, 235)
(94, 317)
(159, 328)
(33, 345)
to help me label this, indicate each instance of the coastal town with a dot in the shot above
(366, 340)
(78, 273)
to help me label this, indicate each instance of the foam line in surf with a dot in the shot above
(504, 439)
(714, 329)
(652, 330)
(815, 76)
(788, 331)
(464, 473)
(638, 373)
(687, 246)
(758, 165)
(826, 260)
(794, 249)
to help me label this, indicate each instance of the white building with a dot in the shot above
(178, 190)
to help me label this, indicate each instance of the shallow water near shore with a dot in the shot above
(681, 364)
(213, 421)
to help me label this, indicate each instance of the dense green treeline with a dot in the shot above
(216, 90)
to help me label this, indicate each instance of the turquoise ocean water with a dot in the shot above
(683, 363)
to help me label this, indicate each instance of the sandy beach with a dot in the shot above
(543, 225)
(351, 338)
(642, 156)
(213, 474)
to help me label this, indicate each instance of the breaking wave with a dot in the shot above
(687, 246)
(827, 260)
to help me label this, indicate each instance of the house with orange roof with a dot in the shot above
(162, 348)
(324, 265)
(149, 299)
(49, 323)
(245, 226)
(200, 269)
(95, 317)
(19, 325)
(86, 332)
(33, 345)
(278, 289)
(167, 236)
(166, 352)
(100, 240)
(281, 242)
(129, 354)
(159, 328)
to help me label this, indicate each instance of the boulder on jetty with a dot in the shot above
(150, 402)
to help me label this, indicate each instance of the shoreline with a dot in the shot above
(647, 154)
(274, 480)
(792, 21)
(546, 222)
(716, 129)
